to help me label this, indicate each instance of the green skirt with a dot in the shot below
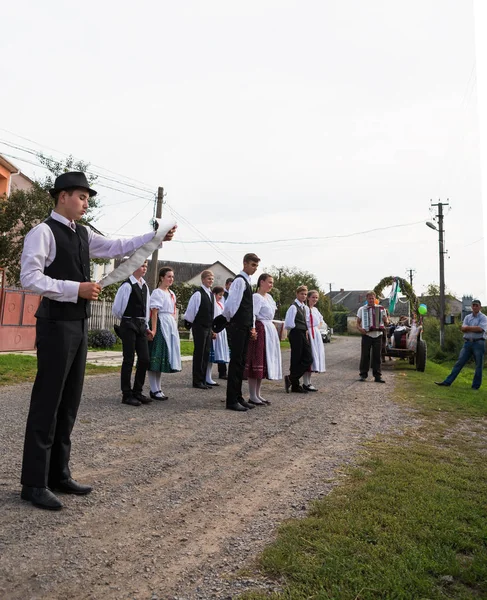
(159, 353)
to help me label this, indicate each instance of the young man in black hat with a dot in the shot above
(239, 310)
(199, 315)
(56, 264)
(132, 306)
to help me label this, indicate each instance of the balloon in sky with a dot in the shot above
(422, 309)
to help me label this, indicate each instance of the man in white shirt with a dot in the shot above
(371, 321)
(56, 264)
(238, 310)
(199, 314)
(132, 307)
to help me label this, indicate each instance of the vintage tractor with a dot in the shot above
(413, 351)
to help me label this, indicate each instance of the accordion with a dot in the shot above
(373, 318)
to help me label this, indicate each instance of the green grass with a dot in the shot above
(18, 368)
(186, 348)
(410, 519)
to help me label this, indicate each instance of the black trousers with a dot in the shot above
(56, 394)
(239, 337)
(301, 355)
(201, 352)
(368, 344)
(133, 333)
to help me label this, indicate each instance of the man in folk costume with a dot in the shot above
(239, 312)
(55, 263)
(131, 306)
(371, 322)
(296, 322)
(222, 367)
(199, 317)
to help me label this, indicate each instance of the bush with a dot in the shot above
(101, 338)
(453, 340)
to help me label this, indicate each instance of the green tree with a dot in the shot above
(433, 293)
(22, 210)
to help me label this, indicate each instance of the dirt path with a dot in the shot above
(185, 493)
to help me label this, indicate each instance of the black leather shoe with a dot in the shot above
(442, 383)
(236, 406)
(154, 396)
(308, 388)
(201, 386)
(223, 377)
(287, 383)
(299, 390)
(245, 404)
(130, 400)
(212, 384)
(257, 403)
(70, 486)
(379, 380)
(363, 379)
(141, 398)
(41, 497)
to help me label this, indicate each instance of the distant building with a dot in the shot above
(11, 178)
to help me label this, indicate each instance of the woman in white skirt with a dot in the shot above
(219, 352)
(165, 349)
(314, 320)
(264, 353)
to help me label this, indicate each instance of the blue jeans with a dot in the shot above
(475, 349)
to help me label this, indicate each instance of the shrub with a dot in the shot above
(101, 338)
(453, 340)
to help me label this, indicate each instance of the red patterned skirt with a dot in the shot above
(256, 365)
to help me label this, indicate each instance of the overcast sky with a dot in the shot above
(265, 120)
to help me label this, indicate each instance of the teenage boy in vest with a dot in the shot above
(239, 311)
(55, 263)
(301, 354)
(222, 367)
(132, 307)
(371, 322)
(199, 315)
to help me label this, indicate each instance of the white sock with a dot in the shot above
(154, 381)
(253, 389)
(307, 378)
(209, 379)
(257, 391)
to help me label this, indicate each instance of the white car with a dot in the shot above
(325, 333)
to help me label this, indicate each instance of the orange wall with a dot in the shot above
(4, 180)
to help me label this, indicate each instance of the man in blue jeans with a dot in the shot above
(474, 328)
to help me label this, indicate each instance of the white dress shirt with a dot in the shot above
(40, 251)
(194, 304)
(123, 295)
(235, 295)
(290, 320)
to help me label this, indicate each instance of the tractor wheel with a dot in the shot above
(421, 356)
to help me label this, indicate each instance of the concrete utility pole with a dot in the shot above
(411, 271)
(152, 276)
(442, 253)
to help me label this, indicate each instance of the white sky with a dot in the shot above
(265, 120)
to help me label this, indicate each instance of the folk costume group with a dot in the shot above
(230, 326)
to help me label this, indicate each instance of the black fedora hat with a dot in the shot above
(219, 324)
(73, 179)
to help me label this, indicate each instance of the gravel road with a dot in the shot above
(185, 493)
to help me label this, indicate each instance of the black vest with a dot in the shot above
(300, 318)
(72, 263)
(137, 304)
(244, 317)
(204, 316)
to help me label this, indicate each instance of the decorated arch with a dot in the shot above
(399, 285)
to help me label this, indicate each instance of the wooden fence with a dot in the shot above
(101, 315)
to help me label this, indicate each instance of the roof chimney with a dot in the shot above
(342, 290)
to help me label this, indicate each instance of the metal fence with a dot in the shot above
(101, 315)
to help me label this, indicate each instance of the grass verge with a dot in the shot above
(410, 519)
(18, 368)
(186, 348)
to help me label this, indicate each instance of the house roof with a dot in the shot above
(185, 271)
(8, 165)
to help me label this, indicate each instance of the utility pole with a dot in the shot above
(411, 271)
(441, 249)
(152, 277)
